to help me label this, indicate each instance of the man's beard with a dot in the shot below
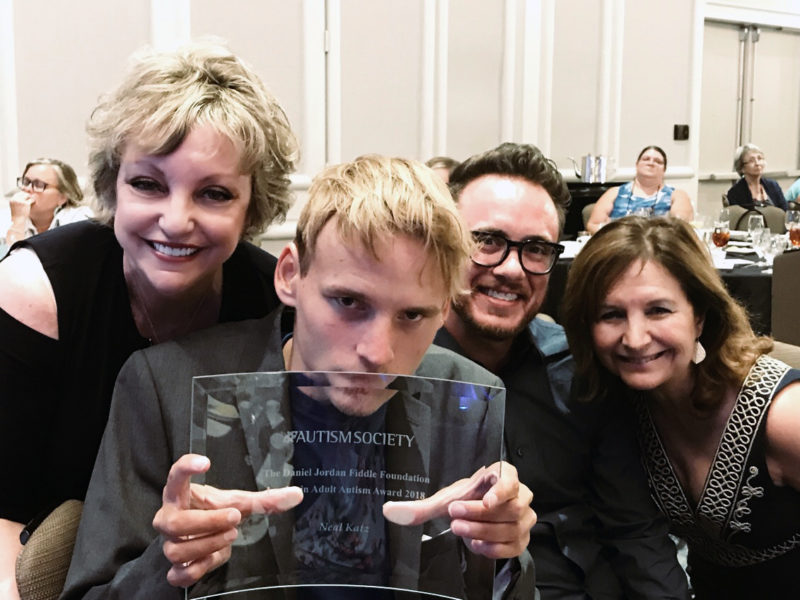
(495, 333)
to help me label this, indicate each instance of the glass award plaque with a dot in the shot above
(378, 459)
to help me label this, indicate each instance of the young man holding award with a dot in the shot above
(378, 256)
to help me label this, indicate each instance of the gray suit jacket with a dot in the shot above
(118, 554)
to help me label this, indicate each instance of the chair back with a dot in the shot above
(786, 297)
(586, 213)
(42, 565)
(774, 217)
(788, 353)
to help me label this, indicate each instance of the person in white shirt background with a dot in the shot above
(50, 195)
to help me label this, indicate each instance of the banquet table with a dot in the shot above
(748, 282)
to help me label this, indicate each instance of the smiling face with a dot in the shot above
(503, 299)
(44, 204)
(646, 331)
(650, 164)
(179, 217)
(358, 313)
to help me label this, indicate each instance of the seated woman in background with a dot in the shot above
(753, 189)
(645, 195)
(51, 196)
(189, 157)
(648, 316)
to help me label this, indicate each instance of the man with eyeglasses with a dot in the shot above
(598, 533)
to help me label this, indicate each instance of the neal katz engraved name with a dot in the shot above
(336, 436)
(343, 526)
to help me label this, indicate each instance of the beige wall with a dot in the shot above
(410, 77)
(66, 54)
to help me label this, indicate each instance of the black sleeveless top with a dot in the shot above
(744, 532)
(55, 395)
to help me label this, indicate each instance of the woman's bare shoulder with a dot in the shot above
(27, 294)
(783, 443)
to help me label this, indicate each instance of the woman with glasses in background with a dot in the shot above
(49, 196)
(753, 189)
(646, 195)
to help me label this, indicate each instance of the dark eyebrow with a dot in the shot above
(531, 238)
(425, 311)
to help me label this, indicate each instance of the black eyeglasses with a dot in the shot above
(37, 185)
(536, 257)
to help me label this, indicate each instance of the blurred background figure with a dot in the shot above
(646, 195)
(753, 189)
(49, 196)
(443, 166)
(793, 192)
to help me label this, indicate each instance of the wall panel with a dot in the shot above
(71, 53)
(269, 35)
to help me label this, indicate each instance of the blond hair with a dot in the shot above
(730, 343)
(374, 197)
(165, 94)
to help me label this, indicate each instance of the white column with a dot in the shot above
(170, 23)
(537, 73)
(428, 81)
(333, 151)
(9, 139)
(442, 57)
(315, 39)
(508, 77)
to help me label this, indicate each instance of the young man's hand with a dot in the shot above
(199, 522)
(491, 511)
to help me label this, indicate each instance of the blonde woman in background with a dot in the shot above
(49, 196)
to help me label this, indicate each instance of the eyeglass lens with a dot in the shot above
(535, 257)
(37, 185)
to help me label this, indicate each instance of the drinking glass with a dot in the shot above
(759, 237)
(725, 216)
(774, 245)
(754, 223)
(721, 234)
(793, 226)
